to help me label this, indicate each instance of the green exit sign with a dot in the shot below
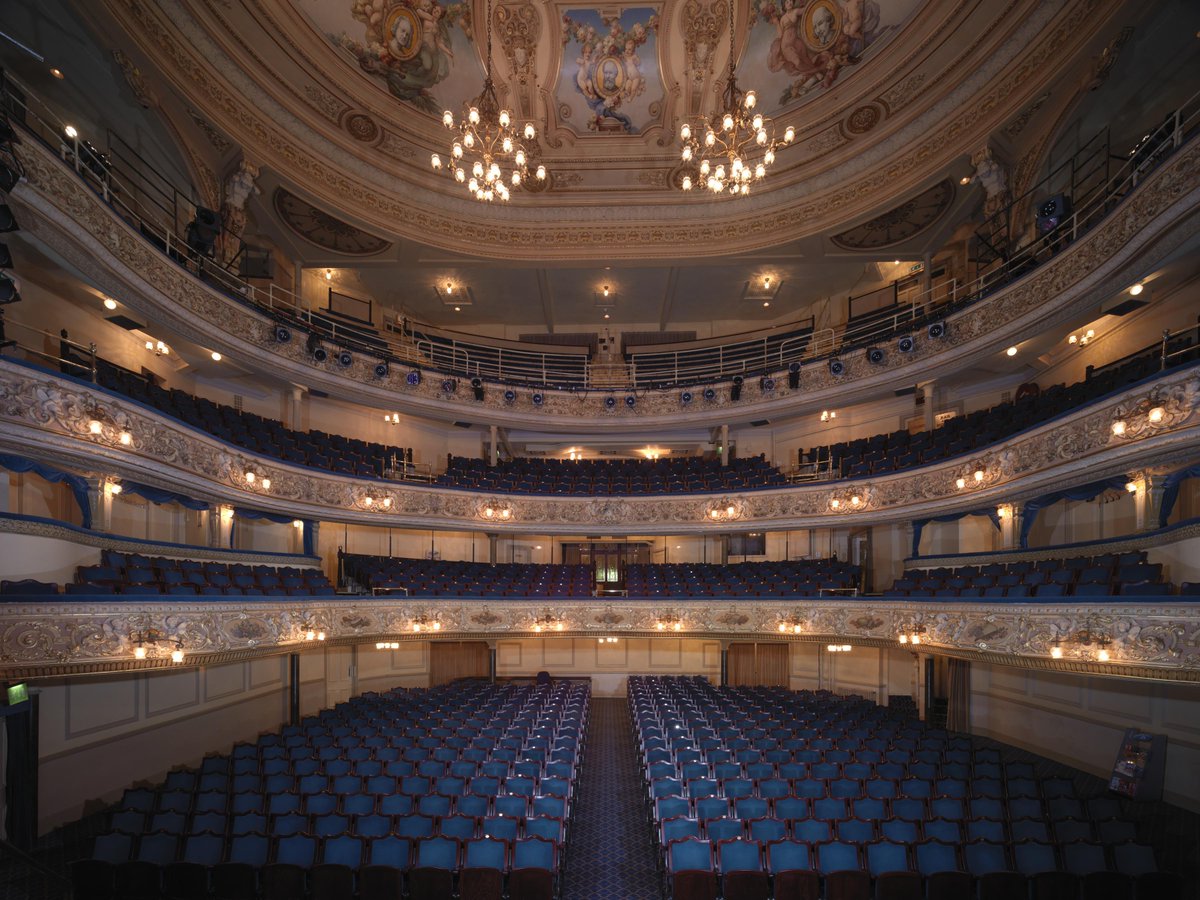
(17, 693)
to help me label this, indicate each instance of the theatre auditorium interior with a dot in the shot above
(655, 450)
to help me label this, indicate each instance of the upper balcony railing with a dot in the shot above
(152, 206)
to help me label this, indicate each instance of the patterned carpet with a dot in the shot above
(611, 855)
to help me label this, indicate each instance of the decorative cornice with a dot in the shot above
(1159, 216)
(58, 531)
(1158, 641)
(48, 417)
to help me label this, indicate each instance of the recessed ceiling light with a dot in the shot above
(766, 303)
(606, 315)
(71, 131)
(110, 303)
(1136, 289)
(329, 274)
(1011, 351)
(458, 309)
(216, 356)
(966, 179)
(57, 73)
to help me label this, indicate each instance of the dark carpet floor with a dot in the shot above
(611, 855)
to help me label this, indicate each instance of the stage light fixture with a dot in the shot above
(794, 376)
(8, 222)
(735, 391)
(477, 387)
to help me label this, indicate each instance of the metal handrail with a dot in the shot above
(285, 305)
(88, 368)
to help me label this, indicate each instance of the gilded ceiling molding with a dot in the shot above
(48, 417)
(899, 162)
(1160, 215)
(47, 639)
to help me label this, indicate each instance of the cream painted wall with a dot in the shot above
(1079, 720)
(872, 672)
(42, 558)
(608, 665)
(100, 735)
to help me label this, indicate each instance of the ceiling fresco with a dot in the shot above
(800, 48)
(609, 81)
(419, 50)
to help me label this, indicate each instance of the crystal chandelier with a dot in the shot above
(734, 148)
(487, 154)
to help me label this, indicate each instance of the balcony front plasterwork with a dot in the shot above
(48, 417)
(1156, 219)
(1149, 640)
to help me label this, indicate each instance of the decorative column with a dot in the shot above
(494, 451)
(1150, 499)
(724, 445)
(906, 535)
(296, 408)
(1010, 524)
(492, 540)
(220, 526)
(100, 495)
(929, 392)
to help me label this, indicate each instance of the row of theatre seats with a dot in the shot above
(688, 475)
(460, 790)
(755, 793)
(1105, 575)
(333, 452)
(898, 450)
(137, 575)
(794, 578)
(434, 578)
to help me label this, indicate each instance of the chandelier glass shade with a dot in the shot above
(487, 154)
(734, 148)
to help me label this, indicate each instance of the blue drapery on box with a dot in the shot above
(1171, 491)
(158, 495)
(1082, 492)
(309, 549)
(77, 483)
(919, 524)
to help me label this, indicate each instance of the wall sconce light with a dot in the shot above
(828, 415)
(607, 640)
(912, 634)
(1001, 512)
(424, 622)
(1156, 415)
(387, 645)
(1131, 487)
(309, 630)
(838, 648)
(146, 645)
(669, 621)
(547, 621)
(723, 511)
(1087, 642)
(158, 348)
(791, 625)
(493, 511)
(297, 523)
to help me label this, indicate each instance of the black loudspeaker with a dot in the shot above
(282, 334)
(313, 346)
(685, 397)
(6, 260)
(320, 354)
(710, 394)
(477, 387)
(1053, 212)
(8, 178)
(794, 376)
(766, 384)
(381, 370)
(413, 378)
(537, 398)
(8, 222)
(9, 291)
(735, 392)
(256, 262)
(203, 230)
(875, 356)
(936, 329)
(906, 344)
(344, 359)
(836, 367)
(631, 401)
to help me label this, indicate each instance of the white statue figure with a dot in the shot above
(239, 187)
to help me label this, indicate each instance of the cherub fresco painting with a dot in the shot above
(801, 47)
(407, 44)
(604, 83)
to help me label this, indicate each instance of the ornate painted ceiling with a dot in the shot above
(340, 101)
